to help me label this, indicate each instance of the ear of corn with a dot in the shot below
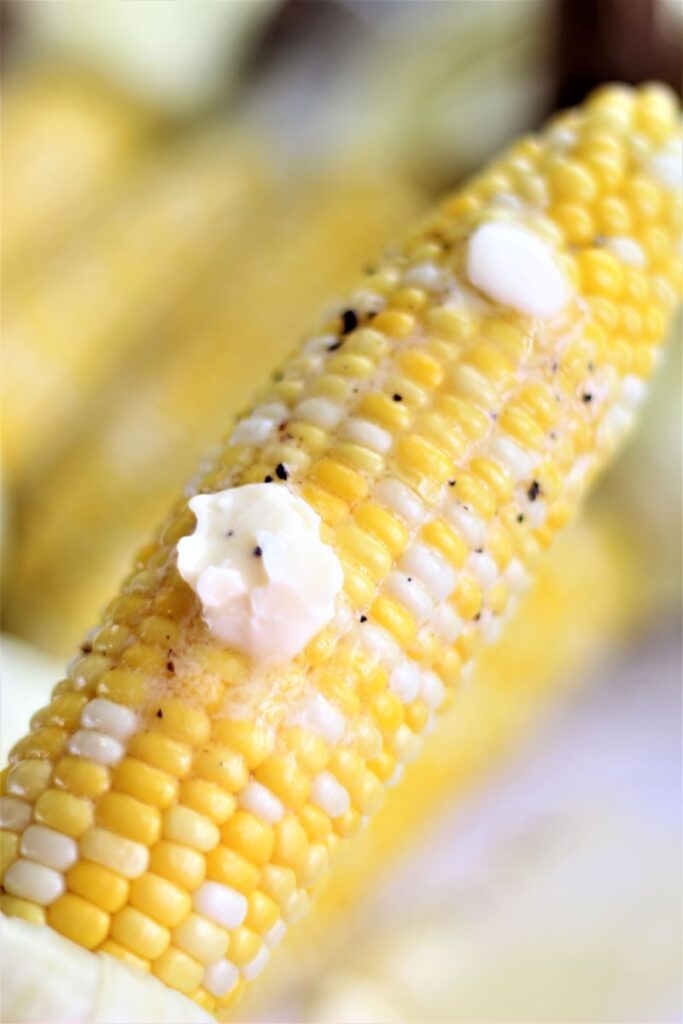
(176, 805)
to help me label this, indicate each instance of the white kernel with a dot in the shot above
(318, 715)
(398, 497)
(633, 389)
(95, 746)
(258, 799)
(276, 934)
(405, 744)
(296, 906)
(364, 301)
(220, 978)
(627, 250)
(275, 411)
(378, 643)
(666, 165)
(15, 814)
(124, 856)
(431, 569)
(469, 525)
(320, 343)
(513, 458)
(516, 268)
(252, 431)
(320, 411)
(536, 513)
(35, 882)
(490, 627)
(368, 434)
(220, 903)
(484, 568)
(446, 623)
(432, 690)
(515, 576)
(425, 275)
(405, 681)
(410, 592)
(253, 969)
(113, 719)
(49, 847)
(329, 795)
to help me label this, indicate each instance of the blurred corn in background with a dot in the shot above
(186, 186)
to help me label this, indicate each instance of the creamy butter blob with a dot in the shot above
(516, 268)
(266, 581)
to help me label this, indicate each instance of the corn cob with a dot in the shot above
(80, 316)
(179, 801)
(68, 141)
(290, 254)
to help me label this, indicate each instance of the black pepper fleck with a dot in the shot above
(170, 666)
(278, 376)
(268, 479)
(451, 483)
(258, 551)
(586, 397)
(363, 618)
(230, 533)
(334, 345)
(520, 517)
(86, 648)
(534, 490)
(281, 472)
(160, 713)
(477, 617)
(397, 398)
(349, 321)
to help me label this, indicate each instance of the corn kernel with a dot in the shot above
(78, 920)
(97, 884)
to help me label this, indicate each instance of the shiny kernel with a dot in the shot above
(43, 744)
(159, 631)
(221, 765)
(383, 525)
(348, 825)
(178, 863)
(9, 850)
(78, 920)
(571, 181)
(201, 939)
(575, 222)
(161, 752)
(613, 216)
(281, 774)
(417, 716)
(474, 492)
(28, 779)
(358, 457)
(99, 885)
(249, 836)
(142, 658)
(111, 640)
(183, 825)
(263, 912)
(467, 597)
(421, 367)
(423, 458)
(394, 617)
(142, 781)
(208, 798)
(382, 409)
(139, 933)
(365, 549)
(161, 899)
(279, 883)
(316, 823)
(396, 323)
(244, 945)
(181, 722)
(64, 812)
(129, 817)
(601, 272)
(310, 750)
(121, 855)
(250, 740)
(472, 421)
(63, 711)
(523, 428)
(290, 843)
(231, 869)
(178, 970)
(341, 480)
(384, 765)
(123, 686)
(644, 198)
(387, 710)
(86, 672)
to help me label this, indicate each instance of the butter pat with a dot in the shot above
(266, 580)
(516, 268)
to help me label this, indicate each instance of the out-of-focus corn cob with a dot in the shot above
(79, 317)
(290, 254)
(585, 597)
(178, 802)
(67, 142)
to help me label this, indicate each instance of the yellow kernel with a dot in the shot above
(448, 322)
(178, 863)
(329, 507)
(129, 817)
(575, 222)
(159, 631)
(358, 457)
(111, 640)
(443, 537)
(449, 667)
(417, 716)
(64, 711)
(348, 825)
(161, 899)
(78, 920)
(87, 671)
(139, 933)
(290, 843)
(181, 722)
(151, 785)
(220, 764)
(178, 970)
(613, 216)
(496, 476)
(244, 945)
(281, 774)
(467, 597)
(351, 366)
(310, 750)
(384, 765)
(43, 744)
(161, 752)
(13, 906)
(82, 778)
(250, 740)
(644, 198)
(263, 912)
(123, 686)
(183, 825)
(98, 884)
(468, 418)
(474, 492)
(64, 812)
(571, 181)
(9, 848)
(365, 549)
(358, 584)
(208, 798)
(387, 710)
(424, 458)
(229, 868)
(279, 883)
(601, 272)
(249, 836)
(395, 618)
(396, 323)
(121, 953)
(201, 938)
(421, 367)
(28, 779)
(438, 429)
(523, 428)
(342, 481)
(151, 660)
(317, 824)
(382, 409)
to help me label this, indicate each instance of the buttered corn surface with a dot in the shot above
(177, 807)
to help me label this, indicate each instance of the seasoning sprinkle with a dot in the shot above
(349, 321)
(281, 471)
(534, 490)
